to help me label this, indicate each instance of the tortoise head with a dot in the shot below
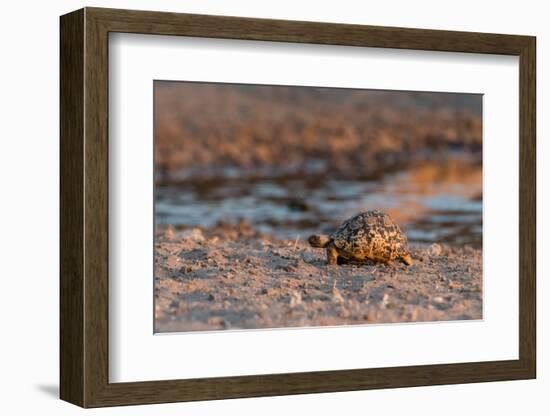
(318, 241)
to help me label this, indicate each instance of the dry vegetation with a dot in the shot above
(210, 126)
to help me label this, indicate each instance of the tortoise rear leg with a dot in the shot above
(332, 255)
(407, 259)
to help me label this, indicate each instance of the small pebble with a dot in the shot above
(194, 234)
(385, 300)
(295, 298)
(435, 250)
(453, 285)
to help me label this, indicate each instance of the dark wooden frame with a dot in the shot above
(84, 208)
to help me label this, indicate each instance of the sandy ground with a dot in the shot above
(231, 277)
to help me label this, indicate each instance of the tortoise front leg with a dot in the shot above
(332, 255)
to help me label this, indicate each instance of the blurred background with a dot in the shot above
(290, 161)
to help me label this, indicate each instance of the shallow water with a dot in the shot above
(433, 202)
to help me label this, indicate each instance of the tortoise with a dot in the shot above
(370, 235)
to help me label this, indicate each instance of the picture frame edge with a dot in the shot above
(71, 336)
(84, 194)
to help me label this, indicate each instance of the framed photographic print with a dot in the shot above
(255, 207)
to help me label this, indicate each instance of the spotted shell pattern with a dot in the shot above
(373, 235)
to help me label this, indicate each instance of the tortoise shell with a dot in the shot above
(370, 235)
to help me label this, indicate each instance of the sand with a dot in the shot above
(232, 277)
